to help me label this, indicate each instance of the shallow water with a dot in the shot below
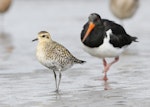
(26, 83)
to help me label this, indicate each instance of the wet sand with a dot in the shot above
(24, 82)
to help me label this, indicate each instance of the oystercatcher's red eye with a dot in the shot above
(96, 19)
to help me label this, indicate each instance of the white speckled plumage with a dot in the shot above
(53, 55)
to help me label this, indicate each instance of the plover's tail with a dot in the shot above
(79, 61)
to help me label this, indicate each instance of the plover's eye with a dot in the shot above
(43, 36)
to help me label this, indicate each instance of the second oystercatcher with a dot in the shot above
(103, 38)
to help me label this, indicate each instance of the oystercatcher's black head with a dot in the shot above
(93, 20)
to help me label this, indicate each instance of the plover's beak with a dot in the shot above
(35, 39)
(90, 28)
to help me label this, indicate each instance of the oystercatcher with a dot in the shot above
(103, 38)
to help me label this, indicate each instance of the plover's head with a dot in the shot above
(43, 36)
(93, 20)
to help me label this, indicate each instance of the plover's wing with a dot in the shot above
(61, 53)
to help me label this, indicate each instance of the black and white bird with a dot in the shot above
(103, 38)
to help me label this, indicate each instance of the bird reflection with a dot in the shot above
(6, 47)
(107, 85)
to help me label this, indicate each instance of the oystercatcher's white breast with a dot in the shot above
(106, 49)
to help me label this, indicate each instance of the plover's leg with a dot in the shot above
(59, 80)
(107, 66)
(55, 78)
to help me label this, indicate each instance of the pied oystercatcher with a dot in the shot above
(103, 38)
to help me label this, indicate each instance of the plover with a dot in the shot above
(124, 9)
(54, 56)
(103, 38)
(4, 5)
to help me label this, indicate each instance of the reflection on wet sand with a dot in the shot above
(106, 85)
(6, 46)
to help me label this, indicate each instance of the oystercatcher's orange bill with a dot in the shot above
(90, 28)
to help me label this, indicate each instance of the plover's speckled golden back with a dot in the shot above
(53, 55)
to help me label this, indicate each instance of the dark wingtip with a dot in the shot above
(82, 62)
(79, 61)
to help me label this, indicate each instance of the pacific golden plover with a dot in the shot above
(54, 56)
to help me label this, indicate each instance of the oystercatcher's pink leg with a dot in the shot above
(107, 66)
